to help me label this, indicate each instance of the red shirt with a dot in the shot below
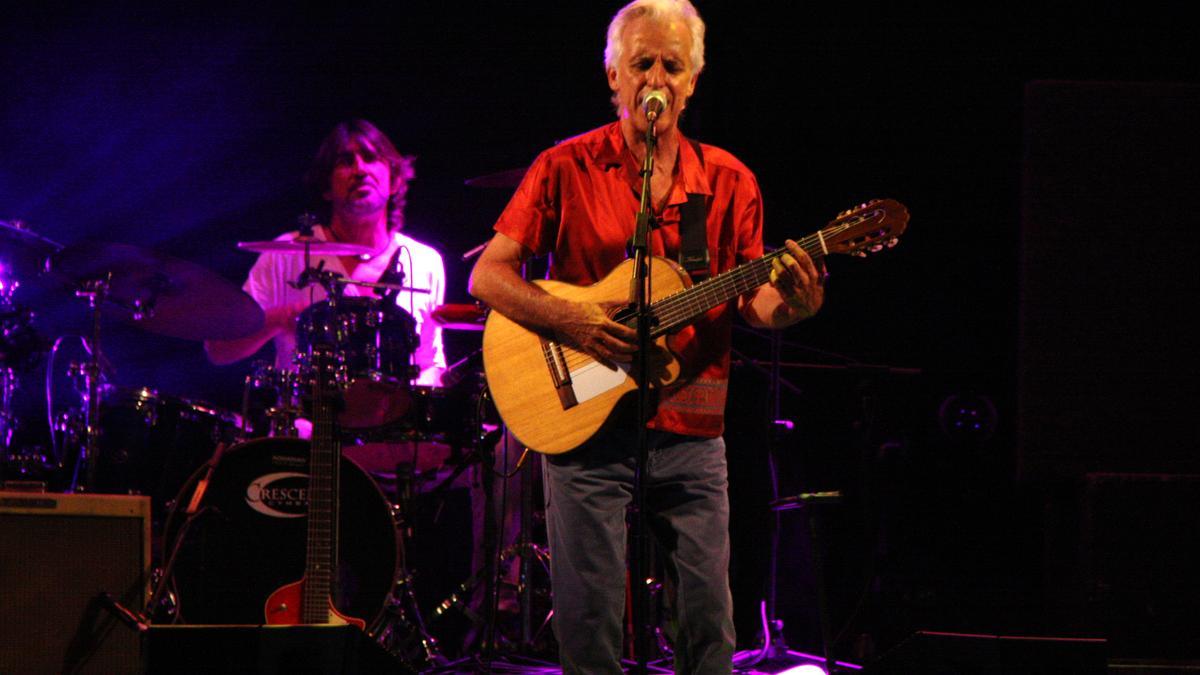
(579, 202)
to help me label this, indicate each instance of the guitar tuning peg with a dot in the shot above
(859, 253)
(876, 248)
(892, 242)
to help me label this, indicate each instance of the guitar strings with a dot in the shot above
(684, 305)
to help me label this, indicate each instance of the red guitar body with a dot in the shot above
(284, 608)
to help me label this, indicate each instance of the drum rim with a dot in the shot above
(112, 395)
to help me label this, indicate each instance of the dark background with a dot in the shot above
(185, 131)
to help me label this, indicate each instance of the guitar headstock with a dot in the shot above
(866, 228)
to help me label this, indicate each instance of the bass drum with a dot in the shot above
(252, 537)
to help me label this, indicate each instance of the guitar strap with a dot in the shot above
(693, 233)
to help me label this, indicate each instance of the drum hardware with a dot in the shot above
(155, 292)
(467, 366)
(514, 554)
(309, 246)
(517, 572)
(301, 244)
(164, 601)
(278, 394)
(163, 607)
(149, 442)
(401, 629)
(23, 255)
(68, 427)
(21, 349)
(83, 477)
(373, 339)
(160, 293)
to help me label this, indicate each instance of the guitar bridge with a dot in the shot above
(556, 361)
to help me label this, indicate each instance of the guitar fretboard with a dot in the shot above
(680, 309)
(323, 470)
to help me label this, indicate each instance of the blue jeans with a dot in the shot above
(687, 508)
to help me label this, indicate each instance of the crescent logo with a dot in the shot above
(279, 495)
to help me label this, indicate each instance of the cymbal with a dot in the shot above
(23, 253)
(301, 244)
(160, 293)
(501, 179)
(460, 317)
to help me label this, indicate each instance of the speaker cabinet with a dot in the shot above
(1109, 243)
(58, 554)
(1140, 551)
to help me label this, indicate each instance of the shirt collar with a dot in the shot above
(610, 152)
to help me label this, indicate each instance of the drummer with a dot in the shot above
(362, 180)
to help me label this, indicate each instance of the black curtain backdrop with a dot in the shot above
(185, 130)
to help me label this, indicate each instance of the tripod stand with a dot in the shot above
(506, 558)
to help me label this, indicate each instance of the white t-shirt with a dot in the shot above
(269, 284)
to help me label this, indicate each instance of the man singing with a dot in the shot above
(578, 202)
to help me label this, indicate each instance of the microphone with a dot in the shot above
(392, 274)
(654, 103)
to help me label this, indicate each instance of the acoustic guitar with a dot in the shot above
(554, 397)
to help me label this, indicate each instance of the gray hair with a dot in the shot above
(680, 9)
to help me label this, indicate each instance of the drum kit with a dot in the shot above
(228, 489)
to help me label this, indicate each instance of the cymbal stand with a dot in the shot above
(491, 570)
(527, 552)
(95, 290)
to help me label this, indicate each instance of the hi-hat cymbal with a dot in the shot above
(302, 244)
(160, 293)
(23, 253)
(501, 179)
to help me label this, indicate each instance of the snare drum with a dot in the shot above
(374, 341)
(254, 537)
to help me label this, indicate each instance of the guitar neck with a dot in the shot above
(680, 309)
(323, 471)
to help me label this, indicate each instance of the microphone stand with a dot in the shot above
(639, 296)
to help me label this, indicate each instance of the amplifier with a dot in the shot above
(59, 554)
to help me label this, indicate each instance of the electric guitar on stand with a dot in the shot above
(310, 600)
(553, 397)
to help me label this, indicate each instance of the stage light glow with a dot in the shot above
(806, 669)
